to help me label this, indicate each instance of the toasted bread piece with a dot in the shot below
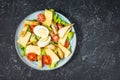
(23, 32)
(48, 18)
(29, 22)
(53, 56)
(64, 30)
(40, 65)
(33, 49)
(60, 53)
(23, 40)
(65, 50)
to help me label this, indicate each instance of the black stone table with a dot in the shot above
(97, 24)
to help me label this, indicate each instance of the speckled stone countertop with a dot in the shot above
(97, 24)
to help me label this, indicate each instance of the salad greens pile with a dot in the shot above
(46, 40)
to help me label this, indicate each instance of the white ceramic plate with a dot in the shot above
(35, 64)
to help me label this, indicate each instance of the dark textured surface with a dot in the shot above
(97, 24)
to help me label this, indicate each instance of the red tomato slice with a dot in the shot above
(41, 17)
(47, 60)
(31, 28)
(66, 44)
(32, 56)
(55, 38)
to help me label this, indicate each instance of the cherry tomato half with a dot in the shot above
(32, 56)
(41, 17)
(47, 60)
(55, 38)
(66, 44)
(31, 28)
